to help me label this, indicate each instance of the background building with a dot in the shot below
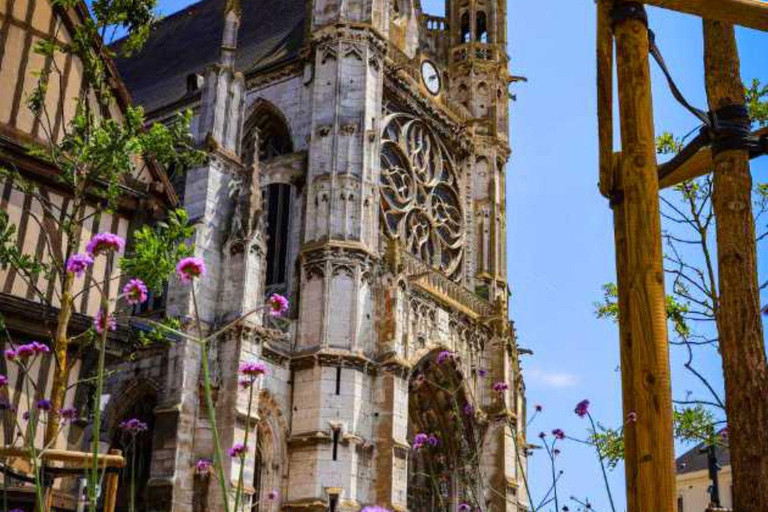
(694, 481)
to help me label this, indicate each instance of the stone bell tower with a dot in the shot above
(478, 65)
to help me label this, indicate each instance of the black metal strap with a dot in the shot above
(732, 129)
(623, 11)
(656, 54)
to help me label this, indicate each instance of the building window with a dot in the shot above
(482, 27)
(278, 197)
(465, 30)
(679, 504)
(336, 435)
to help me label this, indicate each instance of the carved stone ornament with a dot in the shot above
(420, 196)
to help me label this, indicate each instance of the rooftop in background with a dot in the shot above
(189, 40)
(696, 459)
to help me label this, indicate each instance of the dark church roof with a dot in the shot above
(696, 459)
(188, 41)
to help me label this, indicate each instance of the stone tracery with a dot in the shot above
(421, 199)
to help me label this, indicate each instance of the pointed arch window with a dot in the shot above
(267, 138)
(482, 27)
(466, 32)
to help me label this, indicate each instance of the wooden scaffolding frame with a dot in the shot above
(632, 180)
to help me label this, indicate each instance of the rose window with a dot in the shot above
(420, 198)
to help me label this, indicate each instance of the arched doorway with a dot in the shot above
(139, 402)
(444, 466)
(271, 456)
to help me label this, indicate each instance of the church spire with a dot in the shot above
(232, 17)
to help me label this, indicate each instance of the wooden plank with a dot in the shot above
(78, 459)
(740, 327)
(605, 94)
(652, 463)
(698, 165)
(747, 13)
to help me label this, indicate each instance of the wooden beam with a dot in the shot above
(605, 94)
(652, 465)
(698, 165)
(78, 459)
(747, 13)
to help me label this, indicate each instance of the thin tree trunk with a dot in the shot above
(738, 317)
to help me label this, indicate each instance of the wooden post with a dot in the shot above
(110, 486)
(625, 332)
(738, 314)
(652, 464)
(605, 95)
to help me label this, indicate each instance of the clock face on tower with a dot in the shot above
(431, 77)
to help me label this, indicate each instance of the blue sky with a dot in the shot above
(560, 238)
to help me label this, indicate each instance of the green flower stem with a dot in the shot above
(133, 475)
(239, 492)
(602, 464)
(104, 307)
(94, 477)
(218, 458)
(525, 476)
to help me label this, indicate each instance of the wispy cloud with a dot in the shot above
(552, 379)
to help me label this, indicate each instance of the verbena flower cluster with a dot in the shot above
(26, 351)
(104, 243)
(78, 263)
(134, 426)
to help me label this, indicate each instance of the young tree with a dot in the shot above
(105, 148)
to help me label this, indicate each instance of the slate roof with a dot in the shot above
(186, 42)
(696, 460)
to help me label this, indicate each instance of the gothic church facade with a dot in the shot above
(357, 153)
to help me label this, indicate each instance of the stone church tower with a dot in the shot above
(357, 161)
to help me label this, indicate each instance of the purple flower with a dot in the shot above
(582, 408)
(253, 369)
(464, 507)
(632, 417)
(25, 416)
(189, 268)
(542, 435)
(104, 243)
(3, 381)
(374, 508)
(43, 405)
(433, 440)
(468, 410)
(24, 351)
(538, 408)
(556, 452)
(135, 292)
(203, 467)
(237, 450)
(419, 440)
(134, 426)
(40, 348)
(78, 263)
(69, 414)
(102, 322)
(11, 354)
(482, 372)
(444, 356)
(500, 387)
(273, 494)
(17, 510)
(558, 433)
(278, 305)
